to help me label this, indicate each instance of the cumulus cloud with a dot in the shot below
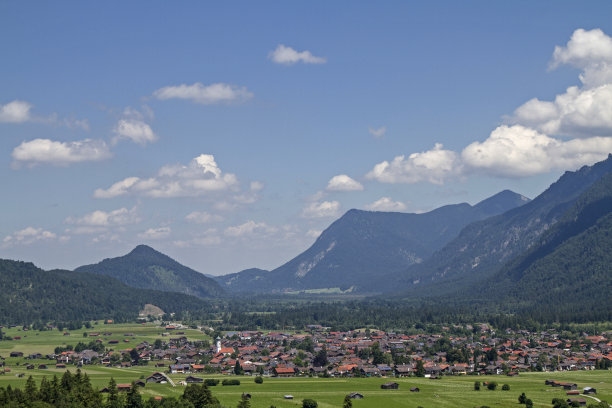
(155, 233)
(378, 133)
(343, 182)
(218, 93)
(15, 112)
(518, 151)
(46, 151)
(322, 209)
(135, 130)
(28, 236)
(434, 166)
(201, 176)
(288, 56)
(530, 143)
(250, 228)
(590, 51)
(99, 218)
(386, 204)
(203, 217)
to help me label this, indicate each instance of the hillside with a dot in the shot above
(363, 244)
(570, 268)
(147, 268)
(31, 294)
(483, 247)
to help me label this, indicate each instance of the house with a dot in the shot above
(355, 395)
(193, 380)
(403, 370)
(16, 354)
(581, 401)
(569, 386)
(589, 391)
(157, 377)
(415, 389)
(124, 387)
(390, 386)
(284, 372)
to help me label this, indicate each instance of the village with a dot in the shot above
(317, 351)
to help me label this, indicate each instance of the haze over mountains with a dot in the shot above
(364, 244)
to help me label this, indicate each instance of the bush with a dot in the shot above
(258, 379)
(476, 385)
(211, 382)
(522, 398)
(529, 403)
(505, 387)
(230, 382)
(492, 385)
(309, 403)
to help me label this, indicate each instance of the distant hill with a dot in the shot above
(30, 294)
(147, 268)
(483, 247)
(362, 245)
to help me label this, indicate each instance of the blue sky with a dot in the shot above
(229, 134)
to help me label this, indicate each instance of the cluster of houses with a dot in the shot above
(349, 353)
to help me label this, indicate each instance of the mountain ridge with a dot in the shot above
(361, 243)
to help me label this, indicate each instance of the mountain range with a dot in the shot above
(364, 244)
(551, 253)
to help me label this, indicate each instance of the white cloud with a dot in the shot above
(203, 217)
(135, 130)
(590, 51)
(321, 210)
(201, 176)
(28, 236)
(99, 218)
(378, 133)
(250, 228)
(206, 95)
(313, 233)
(208, 237)
(288, 56)
(15, 112)
(256, 186)
(386, 204)
(434, 166)
(119, 188)
(46, 151)
(343, 182)
(518, 151)
(155, 233)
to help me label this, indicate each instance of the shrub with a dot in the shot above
(492, 385)
(528, 403)
(522, 398)
(258, 379)
(230, 382)
(211, 382)
(476, 385)
(505, 387)
(309, 403)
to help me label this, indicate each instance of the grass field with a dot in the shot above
(45, 342)
(329, 392)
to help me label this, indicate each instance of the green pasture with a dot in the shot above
(45, 342)
(329, 392)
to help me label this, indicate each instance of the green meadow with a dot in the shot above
(329, 392)
(45, 342)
